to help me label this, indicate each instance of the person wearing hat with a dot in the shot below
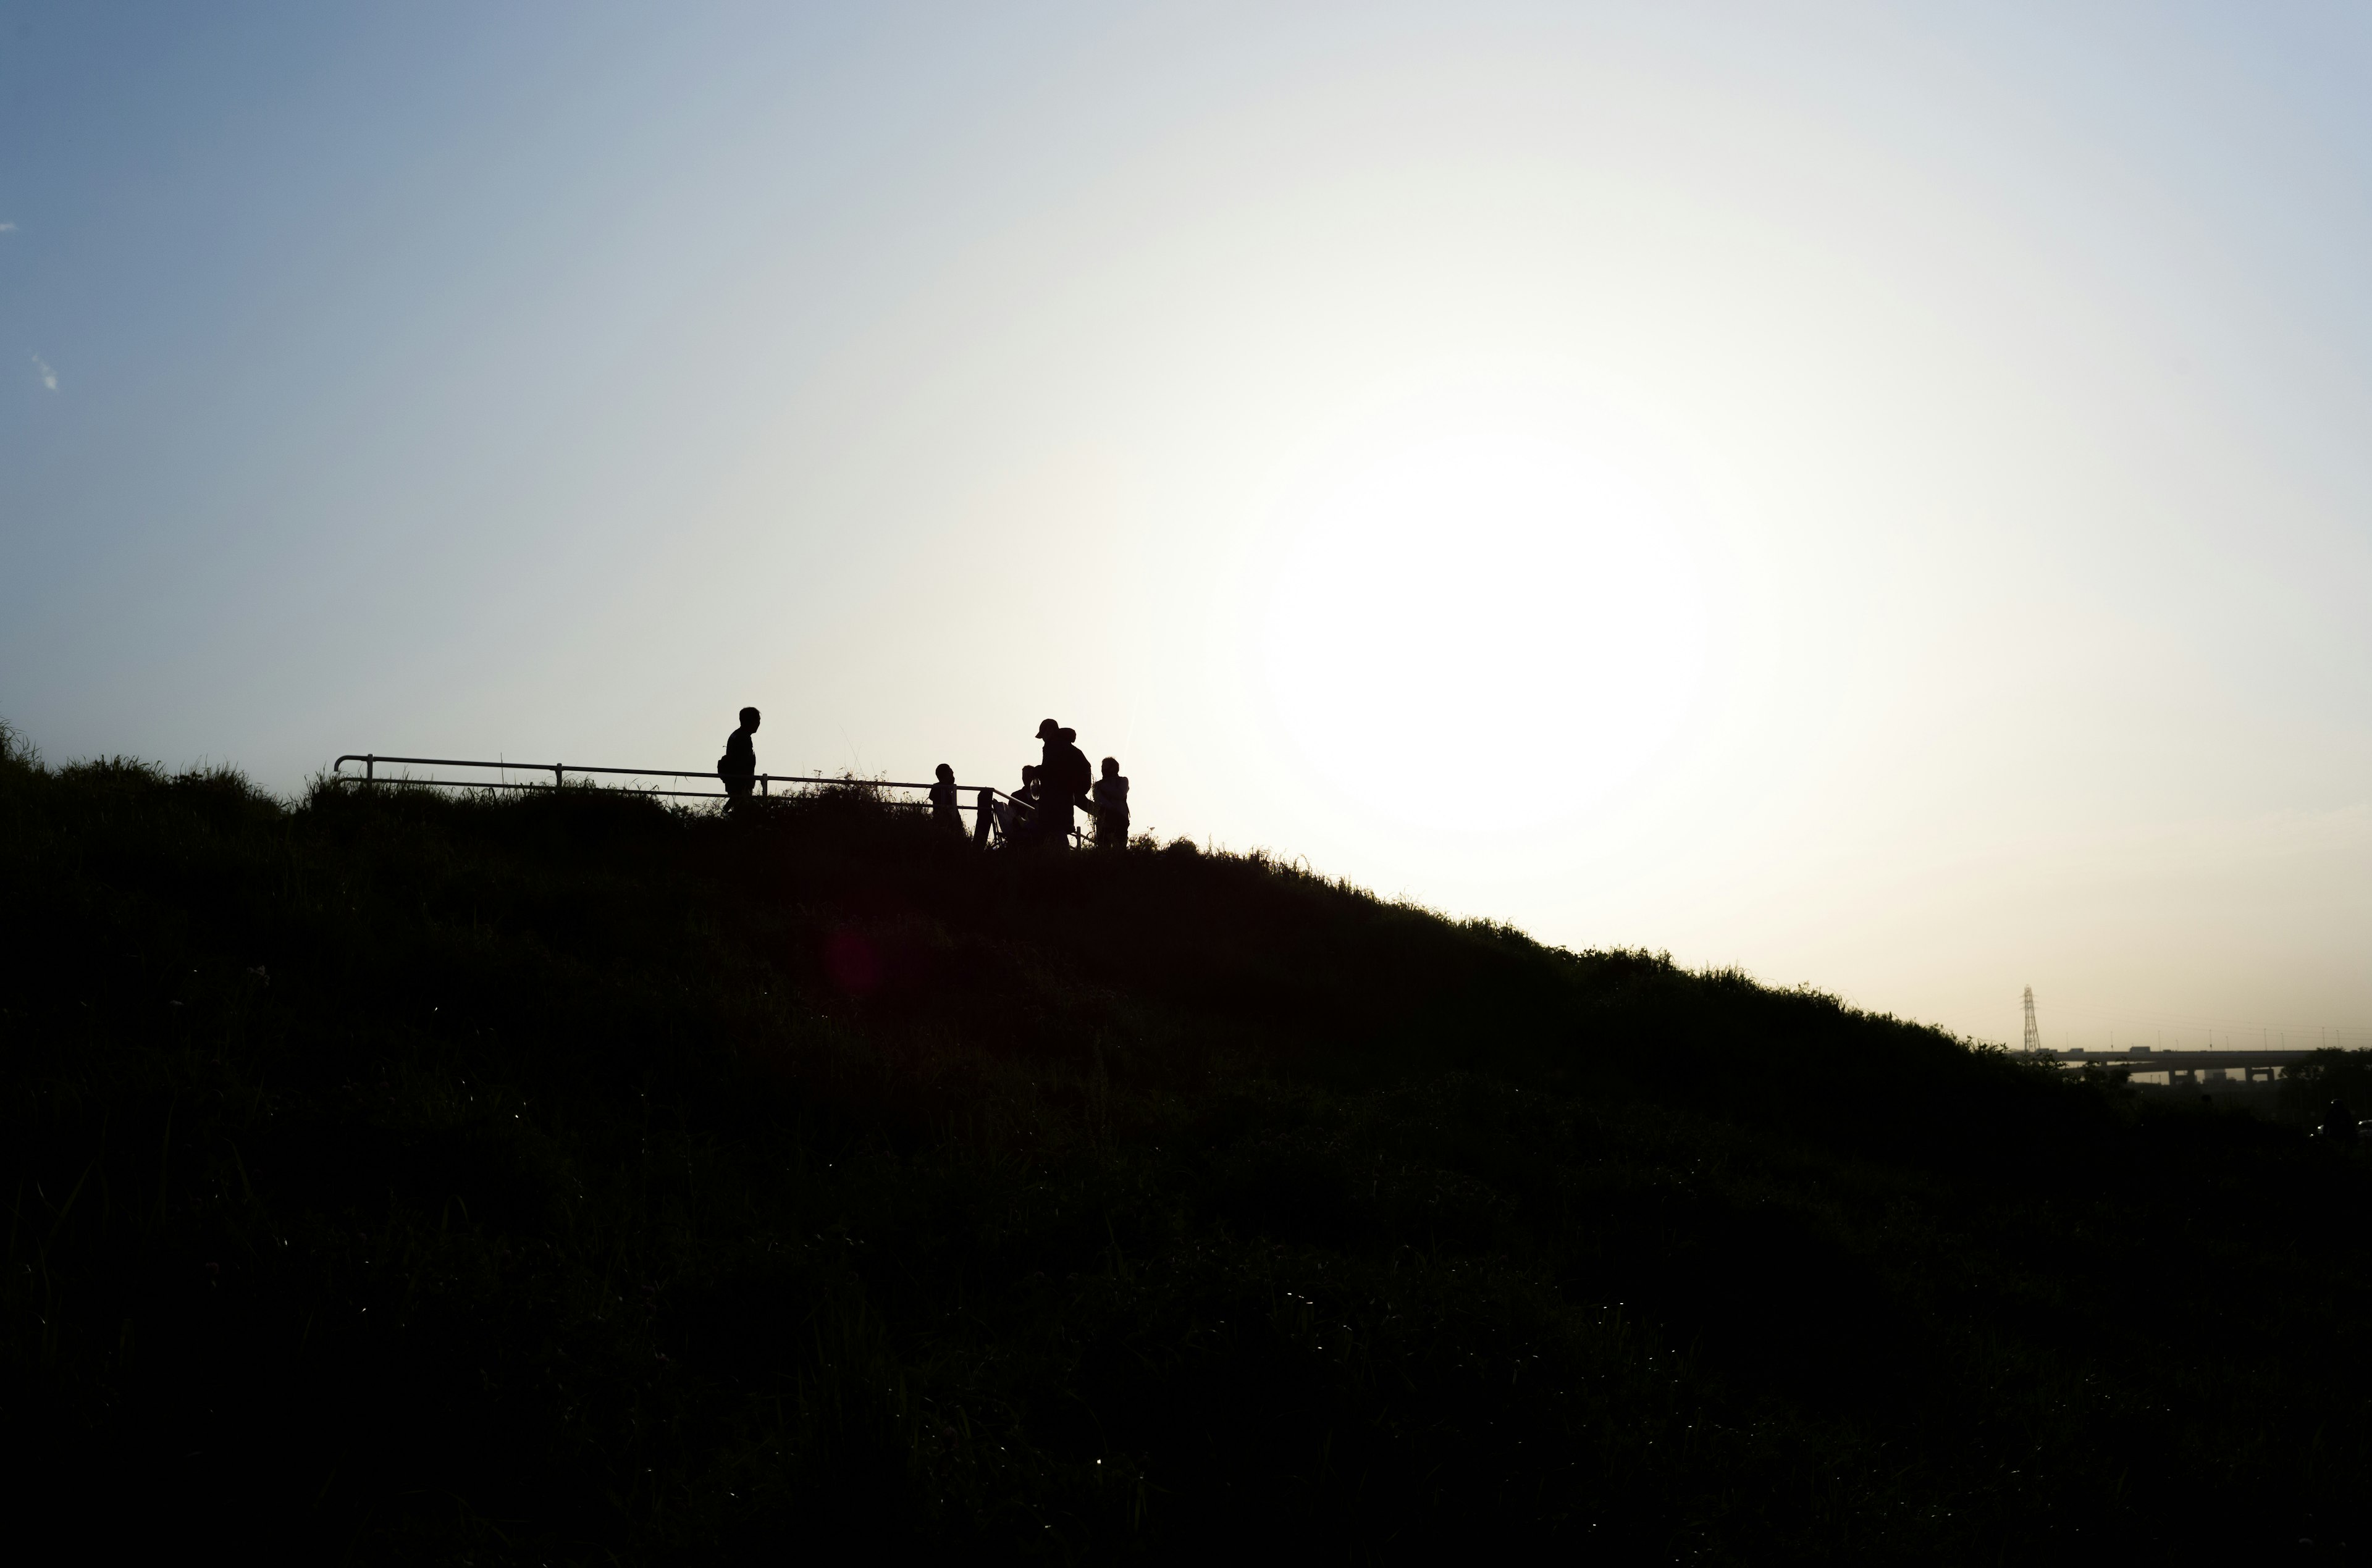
(1052, 824)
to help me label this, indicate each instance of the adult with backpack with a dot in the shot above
(739, 766)
(1077, 776)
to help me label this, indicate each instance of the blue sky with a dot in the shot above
(1877, 495)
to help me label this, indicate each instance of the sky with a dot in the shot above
(1877, 497)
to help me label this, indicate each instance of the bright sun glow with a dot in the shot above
(1483, 630)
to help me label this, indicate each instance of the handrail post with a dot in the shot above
(555, 778)
(370, 768)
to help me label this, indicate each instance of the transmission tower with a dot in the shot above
(2033, 1035)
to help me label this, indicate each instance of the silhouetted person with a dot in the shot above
(945, 813)
(739, 766)
(2337, 1122)
(1078, 776)
(1017, 819)
(1053, 823)
(1112, 808)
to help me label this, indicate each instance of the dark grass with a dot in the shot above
(568, 1178)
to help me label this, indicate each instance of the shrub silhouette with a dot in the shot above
(560, 1176)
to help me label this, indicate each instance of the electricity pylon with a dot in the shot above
(2033, 1035)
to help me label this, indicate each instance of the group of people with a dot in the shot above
(1042, 812)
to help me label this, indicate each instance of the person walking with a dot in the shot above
(739, 766)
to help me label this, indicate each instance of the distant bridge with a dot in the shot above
(2181, 1066)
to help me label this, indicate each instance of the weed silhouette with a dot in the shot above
(563, 1175)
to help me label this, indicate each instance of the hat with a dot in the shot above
(1047, 727)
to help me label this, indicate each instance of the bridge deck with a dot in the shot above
(2176, 1060)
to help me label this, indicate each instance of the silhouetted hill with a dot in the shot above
(566, 1179)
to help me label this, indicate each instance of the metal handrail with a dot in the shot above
(370, 761)
(559, 772)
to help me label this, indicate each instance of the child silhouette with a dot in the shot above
(943, 811)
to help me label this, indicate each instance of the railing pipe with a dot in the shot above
(370, 761)
(555, 768)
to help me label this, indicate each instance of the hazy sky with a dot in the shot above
(1877, 495)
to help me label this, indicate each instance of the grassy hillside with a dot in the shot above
(567, 1178)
